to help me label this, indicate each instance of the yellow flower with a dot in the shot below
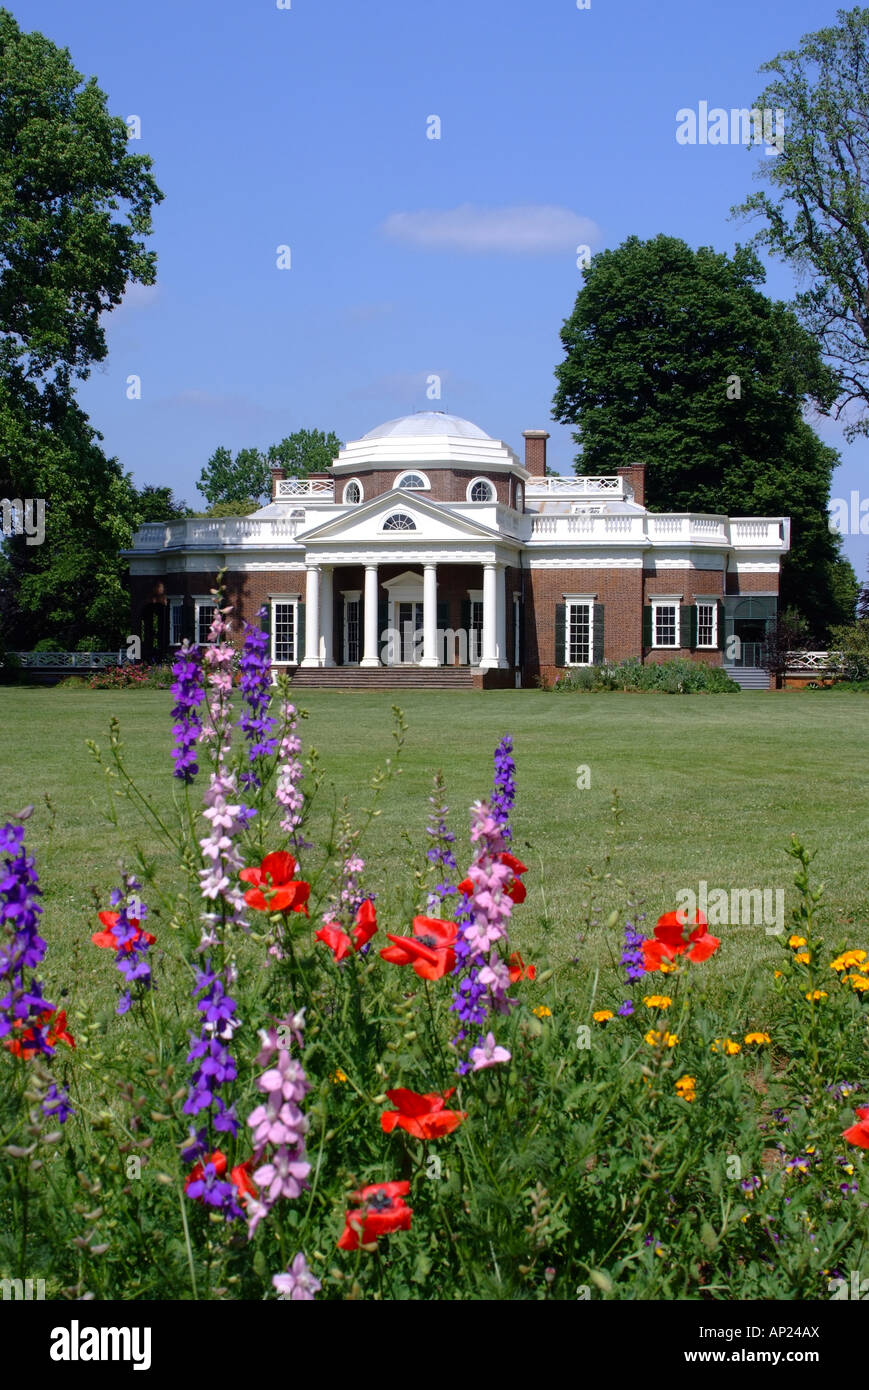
(726, 1045)
(659, 1251)
(602, 1015)
(685, 1086)
(859, 981)
(668, 968)
(816, 994)
(542, 1012)
(777, 974)
(847, 959)
(796, 942)
(759, 1038)
(802, 957)
(657, 1001)
(654, 1038)
(338, 1076)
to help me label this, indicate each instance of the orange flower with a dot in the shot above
(513, 887)
(26, 1043)
(423, 1116)
(519, 970)
(383, 1210)
(107, 939)
(859, 1134)
(274, 888)
(429, 950)
(670, 941)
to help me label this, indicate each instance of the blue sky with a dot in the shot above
(410, 257)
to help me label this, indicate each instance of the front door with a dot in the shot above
(409, 623)
(352, 653)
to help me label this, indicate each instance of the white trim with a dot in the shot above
(293, 600)
(588, 598)
(475, 595)
(493, 491)
(361, 498)
(412, 473)
(713, 604)
(588, 604)
(398, 530)
(666, 601)
(201, 601)
(174, 602)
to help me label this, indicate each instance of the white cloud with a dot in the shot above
(527, 229)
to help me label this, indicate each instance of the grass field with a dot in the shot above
(711, 789)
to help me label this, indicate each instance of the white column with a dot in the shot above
(501, 616)
(490, 652)
(326, 612)
(429, 616)
(312, 617)
(369, 651)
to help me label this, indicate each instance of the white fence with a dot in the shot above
(75, 661)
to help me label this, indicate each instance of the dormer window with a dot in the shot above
(353, 492)
(399, 521)
(413, 481)
(481, 490)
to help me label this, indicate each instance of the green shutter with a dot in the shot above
(597, 631)
(560, 633)
(188, 620)
(647, 627)
(382, 619)
(519, 646)
(685, 612)
(692, 627)
(300, 632)
(721, 637)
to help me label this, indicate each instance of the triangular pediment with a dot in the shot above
(431, 522)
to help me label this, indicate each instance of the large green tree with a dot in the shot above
(75, 211)
(816, 212)
(247, 477)
(675, 357)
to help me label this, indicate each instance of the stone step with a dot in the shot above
(749, 677)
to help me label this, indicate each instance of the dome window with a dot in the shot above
(399, 521)
(353, 492)
(481, 490)
(415, 482)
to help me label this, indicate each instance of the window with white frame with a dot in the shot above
(353, 491)
(413, 481)
(285, 627)
(665, 622)
(205, 611)
(176, 622)
(399, 521)
(578, 632)
(481, 490)
(707, 624)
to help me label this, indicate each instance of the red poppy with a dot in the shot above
(859, 1134)
(107, 938)
(240, 1176)
(339, 943)
(283, 893)
(56, 1033)
(429, 950)
(670, 941)
(513, 887)
(382, 1211)
(423, 1116)
(519, 970)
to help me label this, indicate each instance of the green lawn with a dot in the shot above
(711, 789)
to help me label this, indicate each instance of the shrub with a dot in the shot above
(136, 676)
(678, 677)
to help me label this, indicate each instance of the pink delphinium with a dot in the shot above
(278, 1124)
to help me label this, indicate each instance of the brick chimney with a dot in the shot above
(277, 477)
(535, 452)
(634, 475)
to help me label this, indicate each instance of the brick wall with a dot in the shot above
(447, 484)
(619, 590)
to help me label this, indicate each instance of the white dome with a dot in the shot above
(427, 422)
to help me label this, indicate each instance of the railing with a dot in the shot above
(305, 487)
(573, 487)
(214, 531)
(813, 661)
(79, 661)
(661, 529)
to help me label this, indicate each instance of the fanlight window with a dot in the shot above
(481, 491)
(413, 480)
(399, 521)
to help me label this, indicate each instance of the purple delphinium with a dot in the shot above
(298, 1284)
(504, 790)
(440, 853)
(55, 1104)
(215, 1068)
(21, 946)
(132, 942)
(290, 773)
(278, 1124)
(189, 690)
(632, 960)
(255, 722)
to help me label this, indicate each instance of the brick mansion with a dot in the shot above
(431, 554)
